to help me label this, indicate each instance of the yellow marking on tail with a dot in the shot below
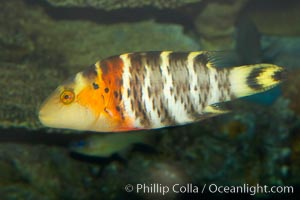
(251, 79)
(266, 79)
(238, 79)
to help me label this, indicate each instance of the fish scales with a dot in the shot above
(163, 78)
(146, 90)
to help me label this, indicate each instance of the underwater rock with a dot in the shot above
(295, 156)
(57, 49)
(42, 172)
(292, 92)
(17, 42)
(275, 146)
(117, 4)
(216, 24)
(281, 19)
(283, 51)
(12, 38)
(21, 89)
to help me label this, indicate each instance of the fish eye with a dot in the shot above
(67, 96)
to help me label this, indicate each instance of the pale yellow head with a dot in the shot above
(79, 104)
(62, 110)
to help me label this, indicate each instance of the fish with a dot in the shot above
(151, 90)
(106, 145)
(248, 41)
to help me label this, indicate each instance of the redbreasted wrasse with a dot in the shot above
(149, 90)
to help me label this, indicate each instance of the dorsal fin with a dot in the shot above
(221, 59)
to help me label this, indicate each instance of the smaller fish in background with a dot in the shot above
(248, 42)
(106, 145)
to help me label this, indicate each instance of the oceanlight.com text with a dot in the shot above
(157, 188)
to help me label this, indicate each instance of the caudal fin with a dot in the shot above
(251, 79)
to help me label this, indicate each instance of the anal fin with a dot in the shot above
(216, 109)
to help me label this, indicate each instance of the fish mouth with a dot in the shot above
(44, 119)
(41, 114)
(45, 114)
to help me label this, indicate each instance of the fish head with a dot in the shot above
(78, 104)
